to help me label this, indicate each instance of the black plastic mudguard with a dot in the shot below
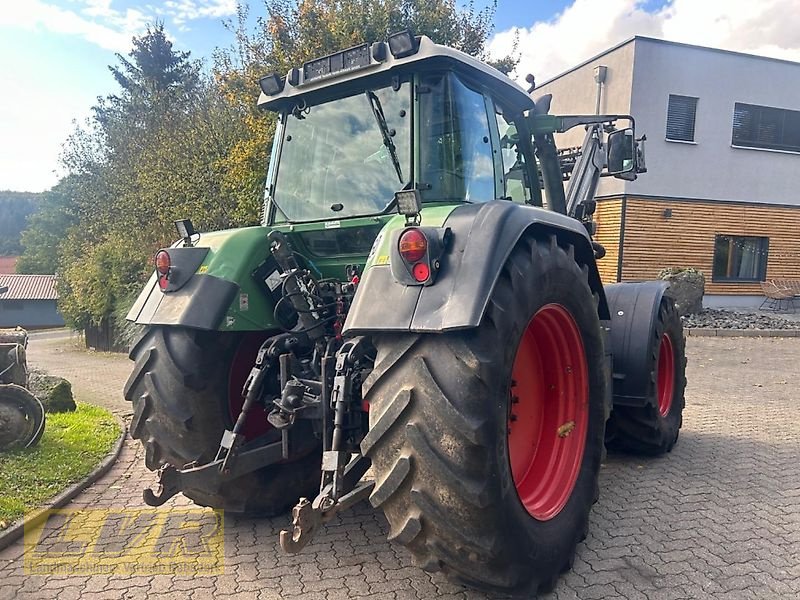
(200, 302)
(483, 236)
(634, 310)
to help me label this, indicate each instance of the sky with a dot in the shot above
(54, 54)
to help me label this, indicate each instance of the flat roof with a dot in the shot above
(645, 38)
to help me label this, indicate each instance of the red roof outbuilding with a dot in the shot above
(28, 287)
(8, 264)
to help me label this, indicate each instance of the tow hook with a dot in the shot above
(308, 516)
(168, 486)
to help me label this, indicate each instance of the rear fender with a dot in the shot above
(483, 236)
(634, 310)
(212, 285)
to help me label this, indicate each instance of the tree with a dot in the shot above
(15, 211)
(149, 155)
(47, 227)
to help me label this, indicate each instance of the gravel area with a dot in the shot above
(714, 318)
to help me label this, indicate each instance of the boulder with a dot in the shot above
(55, 393)
(686, 286)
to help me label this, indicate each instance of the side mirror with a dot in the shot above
(621, 151)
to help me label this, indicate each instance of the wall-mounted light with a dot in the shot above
(600, 73)
(667, 213)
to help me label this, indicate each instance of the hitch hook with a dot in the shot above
(305, 521)
(166, 489)
(308, 516)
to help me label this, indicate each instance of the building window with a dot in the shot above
(766, 127)
(740, 258)
(681, 113)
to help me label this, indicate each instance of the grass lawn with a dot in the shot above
(72, 445)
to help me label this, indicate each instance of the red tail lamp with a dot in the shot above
(413, 245)
(163, 265)
(421, 272)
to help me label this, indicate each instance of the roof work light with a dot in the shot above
(403, 43)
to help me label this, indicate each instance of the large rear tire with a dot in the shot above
(184, 388)
(486, 444)
(652, 429)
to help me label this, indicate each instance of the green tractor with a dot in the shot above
(422, 301)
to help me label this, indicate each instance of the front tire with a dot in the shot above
(451, 471)
(652, 429)
(185, 389)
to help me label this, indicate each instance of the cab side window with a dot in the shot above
(515, 174)
(456, 161)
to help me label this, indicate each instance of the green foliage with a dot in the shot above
(99, 275)
(15, 210)
(153, 153)
(47, 226)
(72, 445)
(176, 142)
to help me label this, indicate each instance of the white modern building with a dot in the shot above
(722, 191)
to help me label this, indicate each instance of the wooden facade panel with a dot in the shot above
(609, 219)
(653, 240)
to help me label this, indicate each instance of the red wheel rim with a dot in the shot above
(666, 375)
(549, 412)
(243, 360)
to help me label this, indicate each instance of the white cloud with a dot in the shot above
(96, 21)
(32, 125)
(587, 27)
(182, 11)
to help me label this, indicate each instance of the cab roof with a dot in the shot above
(352, 70)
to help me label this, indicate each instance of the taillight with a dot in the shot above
(413, 245)
(421, 272)
(417, 254)
(163, 264)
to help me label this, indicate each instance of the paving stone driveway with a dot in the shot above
(717, 518)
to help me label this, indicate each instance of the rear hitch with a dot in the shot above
(341, 472)
(211, 476)
(308, 516)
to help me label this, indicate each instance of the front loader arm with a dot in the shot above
(590, 160)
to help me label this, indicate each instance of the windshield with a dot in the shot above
(346, 157)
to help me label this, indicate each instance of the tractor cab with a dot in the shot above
(407, 114)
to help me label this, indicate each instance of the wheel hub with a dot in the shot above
(256, 423)
(548, 416)
(666, 375)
